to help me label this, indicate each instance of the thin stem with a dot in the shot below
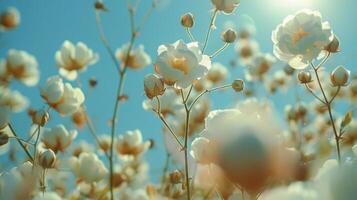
(312, 92)
(219, 50)
(336, 93)
(209, 30)
(21, 144)
(188, 30)
(164, 171)
(328, 104)
(207, 91)
(36, 142)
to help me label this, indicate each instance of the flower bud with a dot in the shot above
(4, 138)
(339, 76)
(47, 159)
(10, 18)
(153, 86)
(304, 77)
(39, 117)
(187, 20)
(334, 45)
(238, 85)
(175, 177)
(100, 6)
(229, 36)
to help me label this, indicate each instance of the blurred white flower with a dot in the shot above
(301, 38)
(58, 138)
(296, 190)
(218, 73)
(259, 65)
(88, 167)
(169, 103)
(246, 49)
(180, 64)
(21, 66)
(62, 96)
(137, 58)
(131, 143)
(13, 100)
(9, 19)
(226, 6)
(73, 59)
(201, 150)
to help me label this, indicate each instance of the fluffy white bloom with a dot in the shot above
(12, 100)
(137, 58)
(9, 184)
(9, 19)
(47, 196)
(301, 38)
(180, 64)
(73, 59)
(88, 167)
(200, 150)
(170, 103)
(131, 143)
(298, 190)
(22, 66)
(62, 96)
(217, 73)
(58, 138)
(246, 49)
(128, 193)
(227, 6)
(260, 65)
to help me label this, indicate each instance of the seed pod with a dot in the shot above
(238, 85)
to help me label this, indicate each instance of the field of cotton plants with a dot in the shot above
(178, 99)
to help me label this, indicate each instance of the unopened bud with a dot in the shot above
(10, 18)
(39, 117)
(333, 46)
(100, 6)
(153, 86)
(47, 159)
(339, 76)
(175, 177)
(238, 85)
(304, 77)
(229, 36)
(4, 138)
(93, 82)
(187, 20)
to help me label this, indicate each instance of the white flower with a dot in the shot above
(73, 59)
(294, 191)
(9, 19)
(88, 167)
(301, 38)
(22, 66)
(170, 103)
(47, 196)
(12, 99)
(131, 143)
(260, 65)
(200, 150)
(62, 96)
(217, 73)
(227, 6)
(58, 138)
(246, 50)
(180, 64)
(137, 58)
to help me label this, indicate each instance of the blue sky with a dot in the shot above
(46, 24)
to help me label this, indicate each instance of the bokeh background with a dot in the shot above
(46, 24)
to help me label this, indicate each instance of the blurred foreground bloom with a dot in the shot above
(131, 143)
(73, 59)
(9, 19)
(298, 190)
(180, 64)
(88, 167)
(200, 150)
(226, 6)
(13, 100)
(137, 58)
(62, 96)
(301, 38)
(58, 138)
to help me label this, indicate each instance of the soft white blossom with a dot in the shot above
(13, 100)
(200, 150)
(137, 58)
(226, 6)
(58, 138)
(131, 143)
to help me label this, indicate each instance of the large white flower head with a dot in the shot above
(180, 64)
(137, 58)
(58, 138)
(301, 38)
(131, 143)
(22, 66)
(88, 167)
(62, 96)
(9, 19)
(226, 6)
(72, 59)
(13, 100)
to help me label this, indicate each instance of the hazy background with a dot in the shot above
(46, 24)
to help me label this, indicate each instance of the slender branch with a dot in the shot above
(21, 144)
(219, 50)
(188, 30)
(35, 145)
(209, 30)
(335, 95)
(312, 92)
(207, 91)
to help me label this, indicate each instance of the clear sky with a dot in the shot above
(46, 24)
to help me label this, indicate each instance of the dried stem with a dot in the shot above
(210, 26)
(219, 50)
(21, 144)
